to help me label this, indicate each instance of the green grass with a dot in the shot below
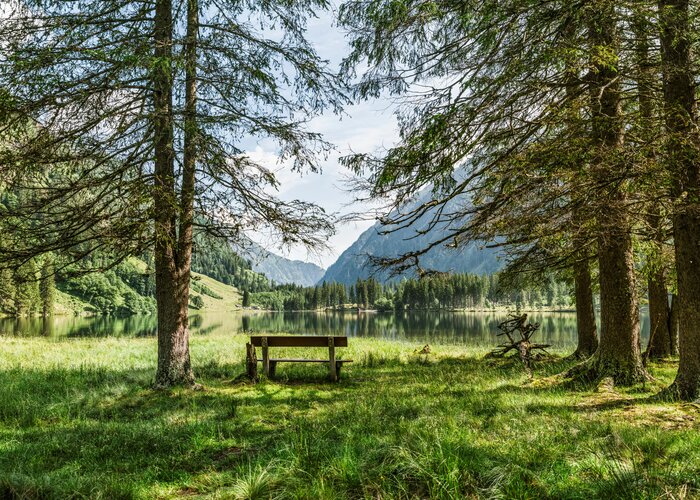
(66, 304)
(230, 297)
(78, 419)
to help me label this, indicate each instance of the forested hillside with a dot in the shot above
(217, 260)
(37, 288)
(43, 285)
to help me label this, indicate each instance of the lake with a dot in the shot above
(470, 328)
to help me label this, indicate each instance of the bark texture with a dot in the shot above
(673, 324)
(171, 258)
(585, 313)
(683, 167)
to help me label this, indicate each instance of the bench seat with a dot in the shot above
(270, 364)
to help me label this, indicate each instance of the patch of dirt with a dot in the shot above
(639, 412)
(187, 492)
(664, 417)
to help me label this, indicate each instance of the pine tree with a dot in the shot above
(154, 86)
(7, 291)
(683, 168)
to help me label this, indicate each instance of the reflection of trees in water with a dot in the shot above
(434, 326)
(558, 329)
(46, 327)
(208, 329)
(105, 326)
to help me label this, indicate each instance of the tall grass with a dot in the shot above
(78, 419)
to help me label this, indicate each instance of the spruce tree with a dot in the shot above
(682, 164)
(123, 141)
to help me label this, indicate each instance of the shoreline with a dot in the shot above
(392, 311)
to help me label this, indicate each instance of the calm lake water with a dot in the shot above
(558, 329)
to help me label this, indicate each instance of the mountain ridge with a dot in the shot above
(280, 269)
(354, 263)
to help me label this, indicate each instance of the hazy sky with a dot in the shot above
(370, 125)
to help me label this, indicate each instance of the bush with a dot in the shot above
(196, 301)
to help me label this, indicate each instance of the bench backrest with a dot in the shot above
(297, 341)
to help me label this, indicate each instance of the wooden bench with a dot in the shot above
(270, 364)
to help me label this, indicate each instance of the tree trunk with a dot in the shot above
(683, 167)
(586, 328)
(585, 313)
(686, 231)
(659, 334)
(619, 353)
(673, 324)
(172, 281)
(172, 295)
(659, 314)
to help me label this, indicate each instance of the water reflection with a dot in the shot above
(558, 329)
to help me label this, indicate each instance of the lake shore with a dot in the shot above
(499, 309)
(80, 419)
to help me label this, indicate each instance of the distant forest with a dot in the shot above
(443, 291)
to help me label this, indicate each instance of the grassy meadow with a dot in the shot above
(78, 420)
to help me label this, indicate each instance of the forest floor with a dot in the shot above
(78, 419)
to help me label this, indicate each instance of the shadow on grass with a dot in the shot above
(440, 428)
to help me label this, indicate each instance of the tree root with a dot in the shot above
(675, 394)
(594, 370)
(578, 355)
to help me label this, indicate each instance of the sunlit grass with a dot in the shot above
(78, 419)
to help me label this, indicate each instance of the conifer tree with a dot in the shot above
(127, 118)
(682, 163)
(522, 127)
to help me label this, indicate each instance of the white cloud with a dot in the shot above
(365, 127)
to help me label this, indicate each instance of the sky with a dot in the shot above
(364, 127)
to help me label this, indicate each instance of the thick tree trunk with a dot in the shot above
(619, 353)
(684, 167)
(172, 295)
(686, 231)
(659, 314)
(585, 313)
(172, 282)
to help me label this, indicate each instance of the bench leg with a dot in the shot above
(273, 367)
(251, 362)
(332, 364)
(266, 357)
(338, 366)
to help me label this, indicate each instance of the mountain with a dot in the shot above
(251, 267)
(353, 263)
(282, 270)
